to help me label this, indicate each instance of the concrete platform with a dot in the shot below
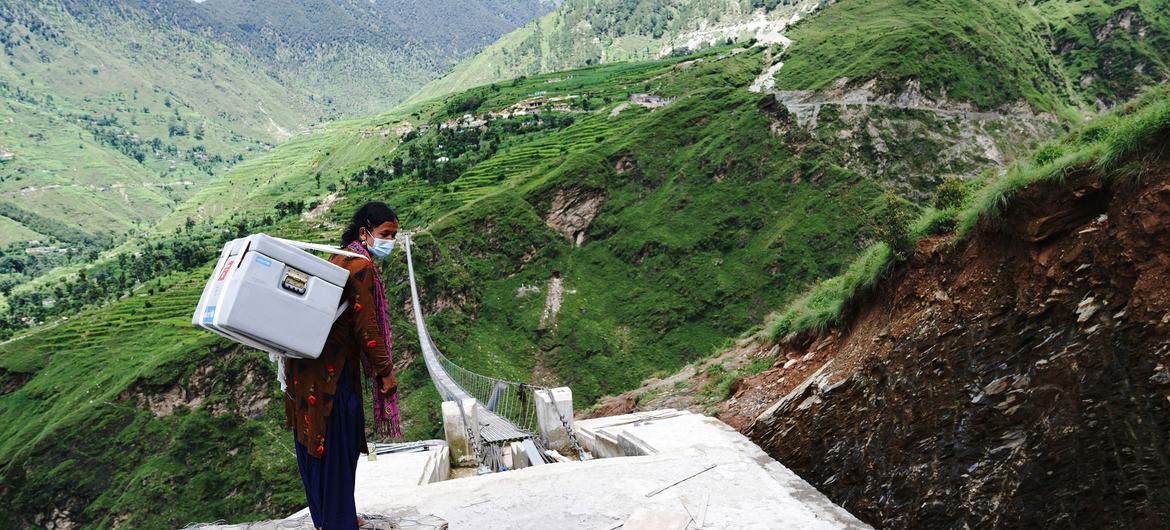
(692, 467)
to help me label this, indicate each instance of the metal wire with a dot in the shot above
(511, 400)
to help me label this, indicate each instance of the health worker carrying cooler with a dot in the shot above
(326, 324)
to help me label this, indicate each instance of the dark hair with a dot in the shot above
(370, 215)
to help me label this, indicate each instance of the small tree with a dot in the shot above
(893, 225)
(950, 194)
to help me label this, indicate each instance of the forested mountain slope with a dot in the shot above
(354, 57)
(113, 113)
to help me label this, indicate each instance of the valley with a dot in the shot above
(727, 227)
(105, 100)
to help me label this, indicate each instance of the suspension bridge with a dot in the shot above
(505, 411)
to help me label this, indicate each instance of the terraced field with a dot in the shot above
(81, 364)
(108, 401)
(528, 161)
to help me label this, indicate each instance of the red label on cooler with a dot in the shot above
(226, 268)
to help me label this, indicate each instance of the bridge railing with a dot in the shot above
(511, 400)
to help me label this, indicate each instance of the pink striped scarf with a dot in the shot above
(385, 406)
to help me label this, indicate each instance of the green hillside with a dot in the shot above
(62, 172)
(649, 289)
(700, 228)
(1052, 55)
(584, 32)
(706, 219)
(106, 57)
(993, 53)
(315, 47)
(112, 120)
(114, 113)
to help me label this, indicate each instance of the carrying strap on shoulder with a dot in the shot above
(327, 249)
(320, 248)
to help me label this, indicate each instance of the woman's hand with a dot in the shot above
(389, 384)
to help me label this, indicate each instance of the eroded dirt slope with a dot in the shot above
(1020, 379)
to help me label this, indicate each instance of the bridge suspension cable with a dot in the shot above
(507, 408)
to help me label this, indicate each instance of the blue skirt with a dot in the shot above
(329, 480)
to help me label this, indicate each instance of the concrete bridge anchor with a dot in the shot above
(457, 424)
(554, 416)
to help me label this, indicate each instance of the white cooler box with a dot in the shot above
(269, 294)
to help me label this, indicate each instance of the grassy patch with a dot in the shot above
(824, 305)
(1053, 55)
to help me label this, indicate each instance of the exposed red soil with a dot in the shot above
(1016, 379)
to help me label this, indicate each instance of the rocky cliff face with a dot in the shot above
(572, 211)
(905, 138)
(1019, 379)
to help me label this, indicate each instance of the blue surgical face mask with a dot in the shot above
(381, 247)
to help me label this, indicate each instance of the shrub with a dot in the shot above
(950, 194)
(1048, 153)
(893, 225)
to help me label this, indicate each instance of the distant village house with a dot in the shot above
(649, 101)
(531, 106)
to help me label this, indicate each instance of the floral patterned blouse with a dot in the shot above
(312, 383)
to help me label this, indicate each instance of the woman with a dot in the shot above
(323, 404)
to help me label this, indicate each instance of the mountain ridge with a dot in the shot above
(583, 32)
